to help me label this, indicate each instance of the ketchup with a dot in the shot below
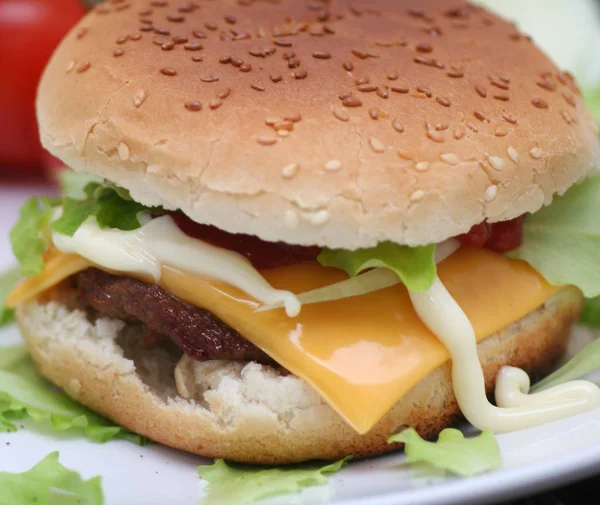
(260, 253)
(499, 237)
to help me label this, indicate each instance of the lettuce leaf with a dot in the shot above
(592, 100)
(24, 393)
(562, 241)
(112, 207)
(585, 361)
(452, 452)
(109, 204)
(8, 280)
(590, 315)
(242, 485)
(414, 265)
(49, 483)
(27, 236)
(72, 184)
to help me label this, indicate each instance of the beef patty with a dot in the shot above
(197, 332)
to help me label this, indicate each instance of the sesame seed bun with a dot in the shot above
(250, 412)
(337, 125)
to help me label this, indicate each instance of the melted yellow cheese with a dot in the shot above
(361, 354)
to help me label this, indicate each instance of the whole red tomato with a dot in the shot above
(29, 32)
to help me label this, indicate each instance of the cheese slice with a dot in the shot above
(361, 354)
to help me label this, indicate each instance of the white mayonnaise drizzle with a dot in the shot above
(160, 242)
(516, 409)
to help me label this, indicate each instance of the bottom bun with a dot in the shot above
(250, 412)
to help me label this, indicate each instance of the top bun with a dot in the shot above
(338, 124)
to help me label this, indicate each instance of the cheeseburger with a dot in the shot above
(308, 224)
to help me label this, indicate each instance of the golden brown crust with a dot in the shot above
(502, 132)
(251, 413)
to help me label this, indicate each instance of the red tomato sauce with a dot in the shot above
(499, 237)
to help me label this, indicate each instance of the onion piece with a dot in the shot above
(373, 280)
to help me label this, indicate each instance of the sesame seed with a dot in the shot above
(300, 74)
(266, 141)
(382, 92)
(167, 46)
(569, 98)
(501, 97)
(456, 73)
(193, 46)
(348, 66)
(81, 33)
(122, 40)
(481, 91)
(199, 34)
(472, 127)
(168, 71)
(118, 52)
(417, 196)
(209, 78)
(405, 155)
(231, 20)
(422, 166)
(282, 43)
(225, 60)
(70, 66)
(459, 132)
(179, 39)
(224, 94)
(441, 126)
(513, 155)
(367, 88)
(496, 162)
(435, 136)
(548, 85)
(148, 28)
(276, 77)
(333, 165)
(393, 75)
(499, 84)
(399, 89)
(320, 217)
(245, 67)
(136, 36)
(481, 116)
(290, 170)
(424, 47)
(450, 158)
(397, 125)
(283, 133)
(161, 31)
(294, 118)
(376, 145)
(197, 58)
(193, 106)
(536, 153)
(321, 55)
(290, 218)
(283, 125)
(83, 67)
(341, 114)
(210, 26)
(443, 101)
(215, 103)
(351, 101)
(363, 80)
(123, 150)
(539, 103)
(425, 90)
(490, 193)
(509, 119)
(501, 131)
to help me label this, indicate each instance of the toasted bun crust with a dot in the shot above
(454, 116)
(251, 413)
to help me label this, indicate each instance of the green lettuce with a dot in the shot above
(8, 280)
(73, 184)
(414, 265)
(111, 205)
(49, 483)
(585, 361)
(242, 485)
(27, 236)
(590, 315)
(24, 393)
(592, 100)
(562, 241)
(452, 452)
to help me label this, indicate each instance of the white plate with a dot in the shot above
(535, 459)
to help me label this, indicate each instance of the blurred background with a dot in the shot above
(568, 30)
